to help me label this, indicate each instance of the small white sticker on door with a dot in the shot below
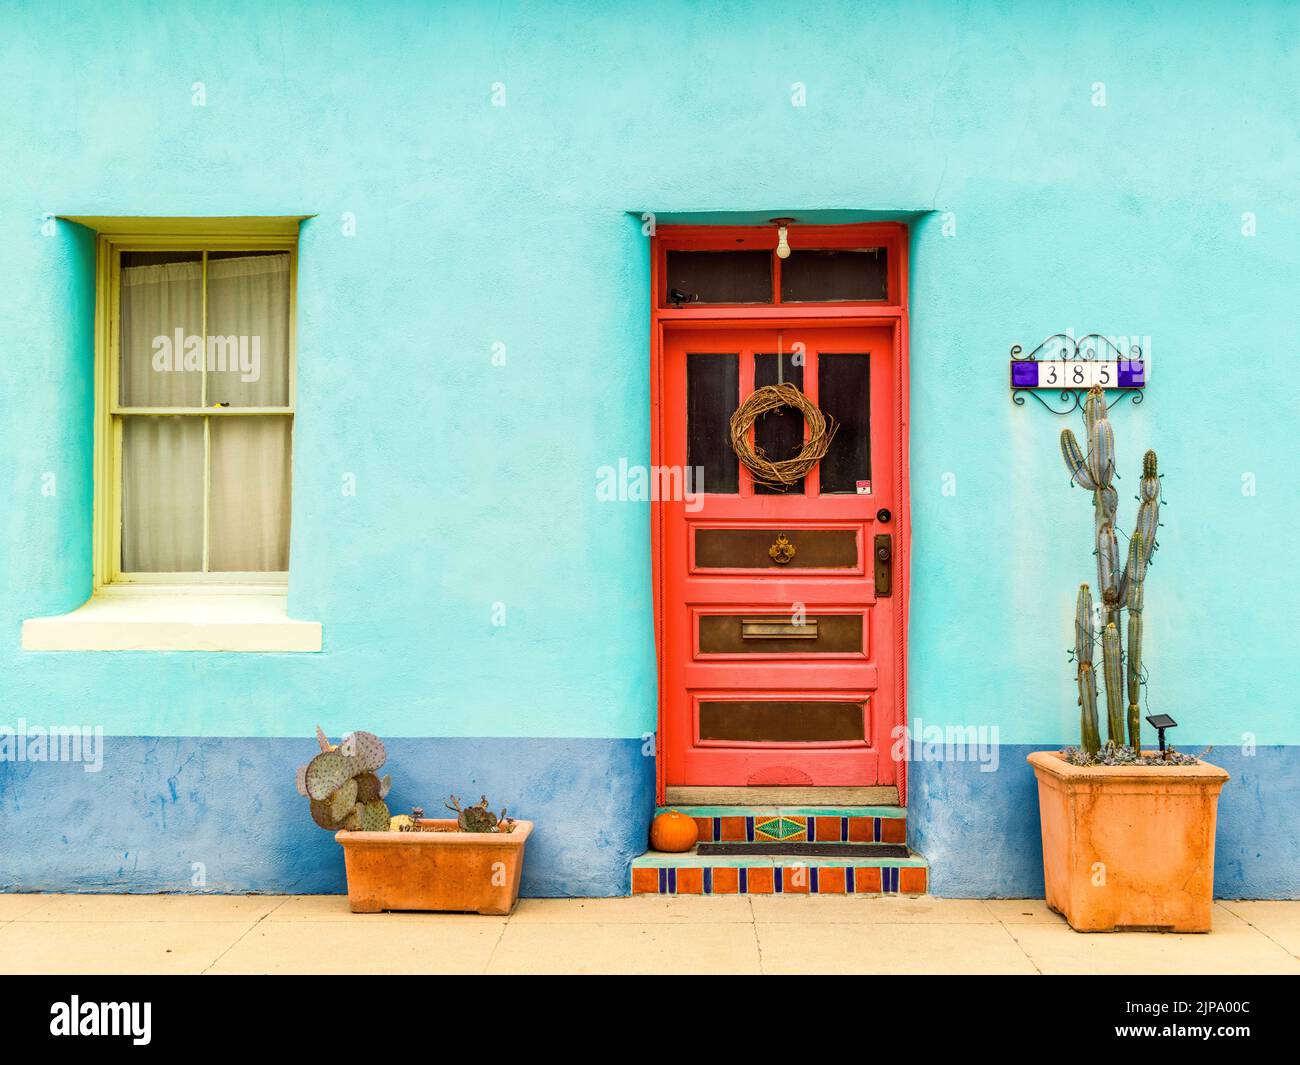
(864, 488)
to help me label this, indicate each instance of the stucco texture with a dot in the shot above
(178, 814)
(1168, 215)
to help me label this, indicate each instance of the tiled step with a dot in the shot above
(791, 824)
(654, 873)
(690, 873)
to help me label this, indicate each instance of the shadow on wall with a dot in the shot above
(176, 814)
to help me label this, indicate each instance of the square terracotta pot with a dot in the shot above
(1128, 847)
(444, 870)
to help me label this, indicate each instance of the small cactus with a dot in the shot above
(1118, 585)
(478, 818)
(341, 783)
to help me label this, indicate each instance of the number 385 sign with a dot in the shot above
(1078, 373)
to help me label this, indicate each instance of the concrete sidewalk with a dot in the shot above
(735, 934)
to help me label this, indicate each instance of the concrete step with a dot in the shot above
(791, 824)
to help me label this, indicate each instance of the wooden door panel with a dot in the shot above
(776, 716)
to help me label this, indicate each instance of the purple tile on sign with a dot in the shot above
(1132, 374)
(1024, 375)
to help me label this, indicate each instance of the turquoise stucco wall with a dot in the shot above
(478, 225)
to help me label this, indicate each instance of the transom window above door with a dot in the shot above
(730, 266)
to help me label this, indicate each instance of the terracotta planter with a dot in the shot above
(1128, 847)
(445, 870)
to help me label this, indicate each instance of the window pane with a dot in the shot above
(778, 433)
(161, 313)
(712, 394)
(248, 329)
(720, 276)
(249, 523)
(162, 494)
(844, 392)
(822, 276)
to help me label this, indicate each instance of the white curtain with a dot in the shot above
(249, 505)
(157, 301)
(246, 357)
(162, 495)
(248, 299)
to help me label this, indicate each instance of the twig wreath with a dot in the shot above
(821, 430)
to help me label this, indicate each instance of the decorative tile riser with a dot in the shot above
(780, 880)
(795, 829)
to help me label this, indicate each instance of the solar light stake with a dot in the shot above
(1160, 722)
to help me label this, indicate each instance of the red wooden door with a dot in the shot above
(778, 657)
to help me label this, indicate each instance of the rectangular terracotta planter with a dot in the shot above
(447, 870)
(1128, 847)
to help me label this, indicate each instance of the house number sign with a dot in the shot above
(1062, 369)
(1078, 373)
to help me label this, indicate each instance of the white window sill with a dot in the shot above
(160, 619)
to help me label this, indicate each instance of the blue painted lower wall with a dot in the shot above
(161, 804)
(980, 831)
(164, 810)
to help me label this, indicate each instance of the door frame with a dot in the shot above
(893, 311)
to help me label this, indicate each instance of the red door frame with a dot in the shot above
(890, 235)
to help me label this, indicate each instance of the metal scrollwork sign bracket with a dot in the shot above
(1064, 369)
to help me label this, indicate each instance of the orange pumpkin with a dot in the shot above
(673, 831)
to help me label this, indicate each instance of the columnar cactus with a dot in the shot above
(1083, 638)
(1120, 586)
(342, 785)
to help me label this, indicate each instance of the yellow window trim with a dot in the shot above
(166, 234)
(183, 229)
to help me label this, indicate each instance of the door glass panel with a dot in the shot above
(782, 722)
(712, 394)
(844, 392)
(719, 277)
(818, 276)
(778, 434)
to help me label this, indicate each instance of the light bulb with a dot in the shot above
(782, 245)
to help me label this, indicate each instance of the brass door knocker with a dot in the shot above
(781, 551)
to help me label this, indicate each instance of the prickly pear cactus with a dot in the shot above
(374, 816)
(1120, 576)
(366, 748)
(371, 787)
(341, 783)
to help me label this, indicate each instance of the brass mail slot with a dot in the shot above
(738, 634)
(767, 629)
